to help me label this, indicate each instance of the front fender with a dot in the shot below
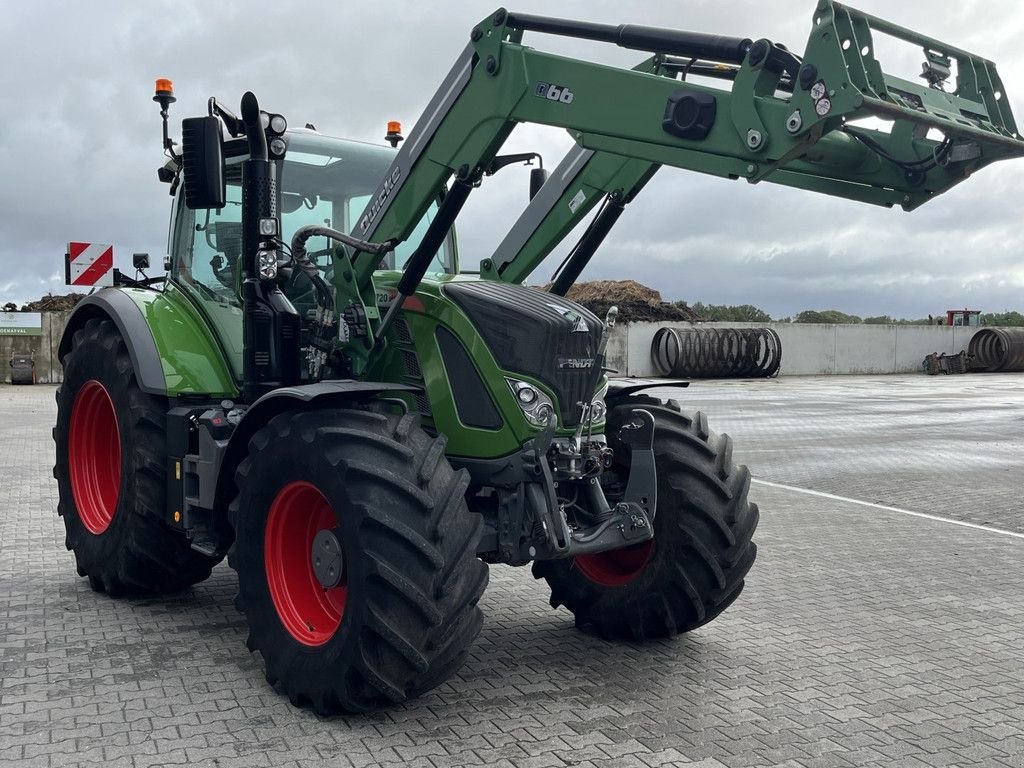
(322, 394)
(622, 388)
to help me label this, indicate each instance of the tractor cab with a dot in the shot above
(964, 318)
(324, 181)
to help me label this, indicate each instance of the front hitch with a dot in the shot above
(642, 487)
(627, 523)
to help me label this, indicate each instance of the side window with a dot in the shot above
(209, 246)
(206, 250)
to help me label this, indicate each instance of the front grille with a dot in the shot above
(423, 404)
(537, 334)
(402, 332)
(412, 364)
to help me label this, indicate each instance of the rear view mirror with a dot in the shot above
(537, 178)
(202, 154)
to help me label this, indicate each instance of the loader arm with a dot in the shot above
(583, 179)
(780, 118)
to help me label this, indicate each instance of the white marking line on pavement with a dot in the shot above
(883, 507)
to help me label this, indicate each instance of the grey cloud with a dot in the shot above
(79, 144)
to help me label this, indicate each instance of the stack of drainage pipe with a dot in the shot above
(717, 353)
(997, 350)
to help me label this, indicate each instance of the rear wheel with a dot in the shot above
(356, 558)
(111, 474)
(694, 567)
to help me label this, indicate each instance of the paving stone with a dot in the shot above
(863, 637)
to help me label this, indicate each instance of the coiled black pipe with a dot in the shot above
(717, 353)
(997, 350)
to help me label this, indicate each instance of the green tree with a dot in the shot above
(1008, 319)
(724, 313)
(880, 320)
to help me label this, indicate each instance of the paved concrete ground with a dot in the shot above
(864, 637)
(951, 446)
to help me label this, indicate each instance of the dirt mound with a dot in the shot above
(636, 302)
(51, 303)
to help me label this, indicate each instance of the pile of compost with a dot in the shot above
(636, 302)
(48, 303)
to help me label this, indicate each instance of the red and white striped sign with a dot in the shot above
(90, 264)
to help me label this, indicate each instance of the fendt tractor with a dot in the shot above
(317, 391)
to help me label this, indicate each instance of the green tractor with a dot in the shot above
(317, 390)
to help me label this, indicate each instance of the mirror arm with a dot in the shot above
(500, 161)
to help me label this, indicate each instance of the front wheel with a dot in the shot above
(694, 567)
(356, 558)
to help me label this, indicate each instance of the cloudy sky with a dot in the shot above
(80, 144)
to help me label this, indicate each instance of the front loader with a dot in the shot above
(316, 391)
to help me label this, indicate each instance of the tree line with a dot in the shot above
(748, 313)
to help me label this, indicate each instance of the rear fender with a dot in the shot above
(172, 349)
(114, 305)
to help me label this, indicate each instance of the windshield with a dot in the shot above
(329, 181)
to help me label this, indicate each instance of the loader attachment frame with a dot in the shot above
(586, 177)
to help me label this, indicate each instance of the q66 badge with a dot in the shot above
(559, 93)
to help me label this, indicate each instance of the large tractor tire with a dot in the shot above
(111, 473)
(356, 558)
(694, 567)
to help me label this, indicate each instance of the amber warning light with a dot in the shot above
(164, 90)
(164, 96)
(394, 134)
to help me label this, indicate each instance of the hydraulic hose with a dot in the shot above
(325, 304)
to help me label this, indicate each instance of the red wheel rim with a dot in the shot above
(94, 457)
(310, 613)
(618, 567)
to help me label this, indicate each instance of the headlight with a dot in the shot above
(526, 394)
(598, 408)
(266, 264)
(535, 405)
(278, 124)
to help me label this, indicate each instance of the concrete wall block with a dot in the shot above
(866, 349)
(807, 349)
(616, 356)
(638, 348)
(962, 338)
(915, 342)
(812, 350)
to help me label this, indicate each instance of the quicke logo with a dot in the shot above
(379, 199)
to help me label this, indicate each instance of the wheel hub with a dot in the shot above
(94, 457)
(309, 605)
(328, 559)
